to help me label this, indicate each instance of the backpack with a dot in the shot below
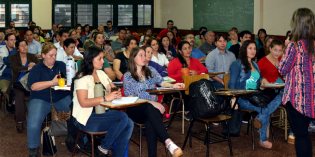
(203, 102)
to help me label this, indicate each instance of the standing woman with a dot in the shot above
(18, 62)
(245, 74)
(121, 60)
(117, 124)
(157, 56)
(298, 66)
(262, 34)
(136, 82)
(108, 51)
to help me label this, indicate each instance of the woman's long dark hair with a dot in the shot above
(179, 56)
(303, 28)
(243, 55)
(161, 44)
(87, 66)
(132, 68)
(173, 41)
(264, 31)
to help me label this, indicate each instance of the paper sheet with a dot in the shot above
(125, 100)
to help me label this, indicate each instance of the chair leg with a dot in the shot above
(188, 133)
(208, 138)
(76, 142)
(5, 105)
(183, 119)
(271, 130)
(252, 129)
(285, 125)
(140, 143)
(229, 139)
(248, 128)
(92, 139)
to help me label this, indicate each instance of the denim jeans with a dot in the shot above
(118, 126)
(263, 114)
(37, 111)
(218, 85)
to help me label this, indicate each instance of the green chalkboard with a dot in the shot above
(222, 15)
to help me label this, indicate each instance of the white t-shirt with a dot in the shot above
(162, 60)
(60, 49)
(62, 56)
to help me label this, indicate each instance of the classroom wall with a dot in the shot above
(42, 13)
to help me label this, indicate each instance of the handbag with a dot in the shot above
(234, 123)
(48, 142)
(23, 82)
(59, 121)
(261, 98)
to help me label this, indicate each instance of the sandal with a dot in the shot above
(171, 147)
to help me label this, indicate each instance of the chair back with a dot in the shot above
(226, 79)
(190, 79)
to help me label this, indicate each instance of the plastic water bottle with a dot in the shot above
(99, 92)
(70, 70)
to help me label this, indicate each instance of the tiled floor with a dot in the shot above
(13, 144)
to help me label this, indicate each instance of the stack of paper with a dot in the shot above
(62, 88)
(125, 100)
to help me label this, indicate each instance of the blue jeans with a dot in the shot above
(37, 111)
(218, 85)
(118, 126)
(263, 115)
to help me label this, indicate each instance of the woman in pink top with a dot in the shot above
(183, 57)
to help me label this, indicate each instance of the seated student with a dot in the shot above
(202, 38)
(148, 32)
(157, 57)
(219, 60)
(119, 42)
(2, 42)
(106, 67)
(172, 39)
(262, 34)
(100, 29)
(170, 24)
(34, 47)
(86, 31)
(117, 124)
(197, 37)
(183, 58)
(166, 48)
(51, 33)
(7, 30)
(120, 64)
(5, 68)
(137, 80)
(68, 50)
(80, 37)
(64, 34)
(36, 38)
(110, 30)
(245, 74)
(195, 53)
(42, 76)
(108, 51)
(233, 39)
(146, 38)
(264, 51)
(244, 35)
(16, 33)
(175, 31)
(209, 45)
(148, 55)
(78, 42)
(18, 62)
(36, 30)
(268, 65)
(56, 37)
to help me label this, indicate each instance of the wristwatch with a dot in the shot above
(104, 98)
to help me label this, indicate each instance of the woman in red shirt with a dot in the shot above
(183, 57)
(268, 65)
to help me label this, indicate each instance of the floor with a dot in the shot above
(13, 144)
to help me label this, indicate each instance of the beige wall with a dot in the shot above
(180, 11)
(41, 13)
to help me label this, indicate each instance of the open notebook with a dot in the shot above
(125, 100)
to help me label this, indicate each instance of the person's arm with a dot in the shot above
(200, 67)
(127, 83)
(202, 58)
(235, 71)
(37, 86)
(166, 62)
(161, 70)
(77, 54)
(110, 73)
(116, 67)
(173, 71)
(287, 62)
(203, 49)
(84, 101)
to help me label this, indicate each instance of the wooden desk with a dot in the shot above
(273, 85)
(234, 92)
(118, 84)
(215, 74)
(123, 106)
(169, 91)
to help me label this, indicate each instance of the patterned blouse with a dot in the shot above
(138, 89)
(109, 51)
(299, 85)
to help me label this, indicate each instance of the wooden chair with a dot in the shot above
(215, 138)
(187, 80)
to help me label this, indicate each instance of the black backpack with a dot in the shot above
(203, 102)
